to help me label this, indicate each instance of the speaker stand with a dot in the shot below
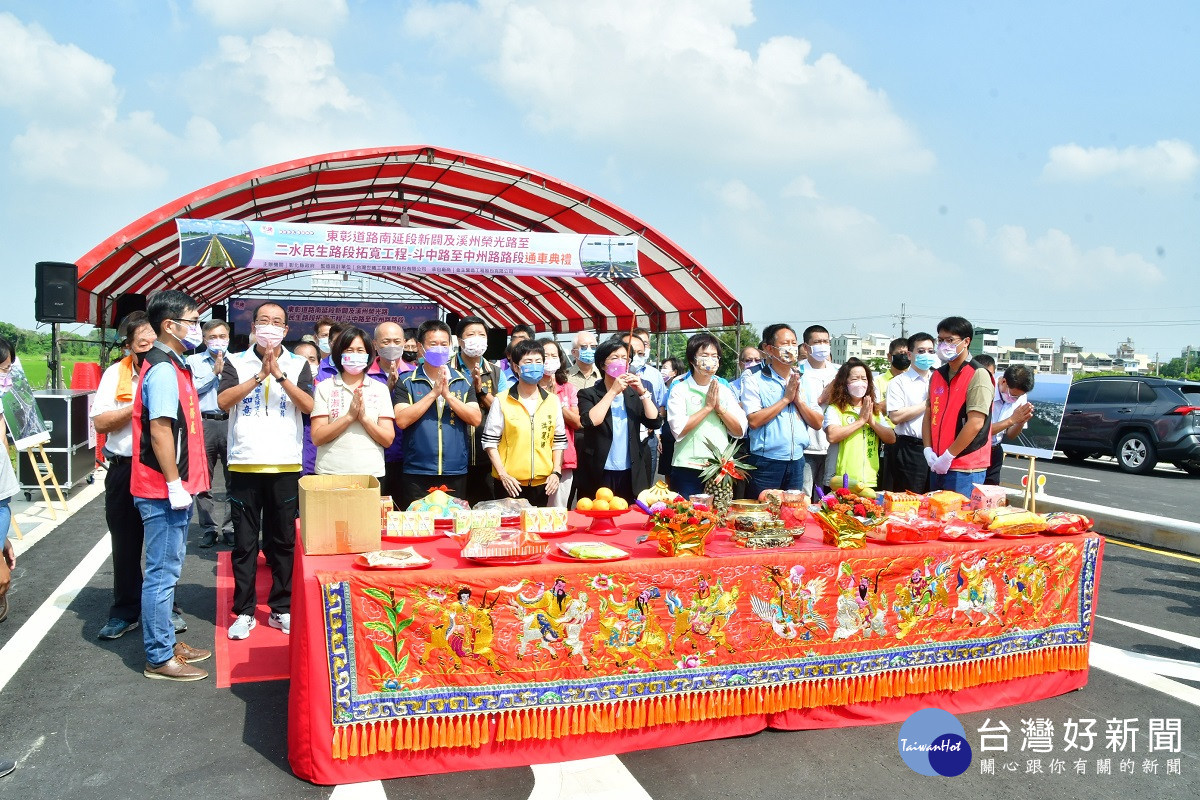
(55, 358)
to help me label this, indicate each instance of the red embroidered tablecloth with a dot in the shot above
(461, 667)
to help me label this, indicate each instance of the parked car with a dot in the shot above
(1138, 420)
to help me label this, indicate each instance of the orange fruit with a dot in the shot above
(604, 493)
(583, 504)
(619, 504)
(600, 505)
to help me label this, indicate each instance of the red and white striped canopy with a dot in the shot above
(437, 188)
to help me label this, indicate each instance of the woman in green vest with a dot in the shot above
(701, 409)
(855, 426)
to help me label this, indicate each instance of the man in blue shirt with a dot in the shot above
(779, 411)
(206, 374)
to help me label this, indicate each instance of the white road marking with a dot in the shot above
(1180, 638)
(1126, 665)
(368, 790)
(30, 635)
(1055, 474)
(603, 778)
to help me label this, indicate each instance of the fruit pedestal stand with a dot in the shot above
(602, 522)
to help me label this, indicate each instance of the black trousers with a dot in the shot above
(125, 527)
(993, 473)
(392, 484)
(479, 482)
(536, 495)
(909, 469)
(268, 502)
(414, 487)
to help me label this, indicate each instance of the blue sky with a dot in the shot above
(1031, 166)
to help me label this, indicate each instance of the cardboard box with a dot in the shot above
(985, 497)
(339, 514)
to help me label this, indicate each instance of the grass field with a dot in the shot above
(37, 370)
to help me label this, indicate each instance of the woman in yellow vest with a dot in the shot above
(524, 434)
(855, 426)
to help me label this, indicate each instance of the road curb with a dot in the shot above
(1148, 529)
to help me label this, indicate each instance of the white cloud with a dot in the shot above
(669, 75)
(1053, 260)
(74, 132)
(295, 14)
(1166, 161)
(802, 187)
(41, 76)
(291, 100)
(737, 196)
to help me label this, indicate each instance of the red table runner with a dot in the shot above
(402, 672)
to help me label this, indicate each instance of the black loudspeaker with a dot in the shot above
(452, 321)
(126, 304)
(497, 342)
(220, 311)
(57, 288)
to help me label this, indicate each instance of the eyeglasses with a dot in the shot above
(951, 340)
(185, 321)
(750, 362)
(277, 321)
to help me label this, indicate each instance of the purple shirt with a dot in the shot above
(394, 453)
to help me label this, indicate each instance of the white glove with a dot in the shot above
(930, 456)
(942, 465)
(178, 495)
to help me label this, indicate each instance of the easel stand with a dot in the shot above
(1032, 483)
(43, 472)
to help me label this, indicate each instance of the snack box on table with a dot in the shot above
(984, 497)
(466, 520)
(339, 514)
(544, 520)
(410, 523)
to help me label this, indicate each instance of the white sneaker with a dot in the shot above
(281, 621)
(240, 629)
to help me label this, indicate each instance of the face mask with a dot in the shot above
(587, 355)
(436, 356)
(947, 351)
(819, 353)
(192, 338)
(857, 389)
(708, 363)
(268, 337)
(474, 346)
(391, 352)
(323, 344)
(926, 361)
(1006, 396)
(409, 356)
(5, 381)
(552, 365)
(216, 346)
(667, 375)
(532, 373)
(637, 363)
(354, 363)
(615, 369)
(789, 353)
(901, 361)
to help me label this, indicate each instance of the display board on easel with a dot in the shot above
(29, 433)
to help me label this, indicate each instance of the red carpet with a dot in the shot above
(263, 656)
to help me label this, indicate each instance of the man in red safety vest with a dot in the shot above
(958, 413)
(169, 468)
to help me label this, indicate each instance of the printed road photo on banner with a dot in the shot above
(21, 412)
(1049, 400)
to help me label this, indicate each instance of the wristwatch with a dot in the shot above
(558, 473)
(258, 380)
(282, 379)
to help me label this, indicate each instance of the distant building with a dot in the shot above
(851, 345)
(1044, 347)
(1067, 358)
(1017, 356)
(985, 340)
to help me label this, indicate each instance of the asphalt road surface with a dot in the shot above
(1167, 491)
(82, 722)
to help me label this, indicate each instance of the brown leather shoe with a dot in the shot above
(191, 655)
(3, 607)
(174, 670)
